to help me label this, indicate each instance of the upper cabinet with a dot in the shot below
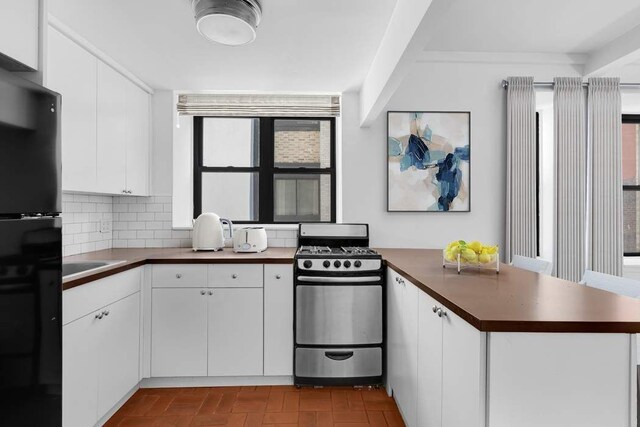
(19, 32)
(105, 122)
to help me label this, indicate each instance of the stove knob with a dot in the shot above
(326, 264)
(357, 264)
(336, 264)
(307, 264)
(347, 264)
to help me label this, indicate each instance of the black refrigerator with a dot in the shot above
(30, 255)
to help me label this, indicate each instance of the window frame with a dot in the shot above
(266, 170)
(633, 119)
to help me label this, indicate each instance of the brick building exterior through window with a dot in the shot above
(631, 183)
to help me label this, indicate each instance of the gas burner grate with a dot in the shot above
(358, 250)
(315, 250)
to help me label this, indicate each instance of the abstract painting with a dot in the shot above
(428, 161)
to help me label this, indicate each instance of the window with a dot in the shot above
(631, 184)
(265, 170)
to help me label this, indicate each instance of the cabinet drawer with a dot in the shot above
(179, 276)
(235, 276)
(338, 363)
(82, 300)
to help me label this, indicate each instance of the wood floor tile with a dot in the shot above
(257, 406)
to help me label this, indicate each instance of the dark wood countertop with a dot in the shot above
(515, 300)
(136, 257)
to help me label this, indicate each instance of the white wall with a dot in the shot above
(162, 143)
(436, 87)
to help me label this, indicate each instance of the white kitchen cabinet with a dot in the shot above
(235, 332)
(394, 313)
(119, 358)
(72, 71)
(105, 122)
(19, 37)
(278, 319)
(179, 332)
(112, 119)
(137, 140)
(429, 363)
(100, 360)
(79, 372)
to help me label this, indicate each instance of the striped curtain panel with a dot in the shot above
(521, 225)
(570, 177)
(605, 178)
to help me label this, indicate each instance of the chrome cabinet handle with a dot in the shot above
(178, 276)
(106, 312)
(210, 292)
(434, 309)
(203, 292)
(99, 316)
(441, 313)
(234, 276)
(278, 276)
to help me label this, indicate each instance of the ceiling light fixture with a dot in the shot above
(230, 22)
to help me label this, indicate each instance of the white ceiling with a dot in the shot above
(302, 45)
(544, 26)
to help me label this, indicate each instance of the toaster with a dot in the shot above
(250, 239)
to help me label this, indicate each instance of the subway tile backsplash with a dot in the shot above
(135, 222)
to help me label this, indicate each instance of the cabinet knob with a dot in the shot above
(106, 312)
(278, 276)
(441, 313)
(178, 276)
(203, 292)
(434, 309)
(210, 292)
(234, 275)
(99, 316)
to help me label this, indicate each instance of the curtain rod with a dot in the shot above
(549, 85)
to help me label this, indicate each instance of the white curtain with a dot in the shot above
(521, 224)
(605, 240)
(570, 177)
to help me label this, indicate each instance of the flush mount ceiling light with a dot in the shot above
(230, 22)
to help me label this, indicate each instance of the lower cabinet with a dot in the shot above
(100, 360)
(436, 360)
(222, 320)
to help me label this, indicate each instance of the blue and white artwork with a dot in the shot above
(428, 161)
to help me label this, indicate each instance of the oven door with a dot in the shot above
(338, 314)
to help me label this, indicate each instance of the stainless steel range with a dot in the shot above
(338, 306)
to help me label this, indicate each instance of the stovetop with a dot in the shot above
(323, 251)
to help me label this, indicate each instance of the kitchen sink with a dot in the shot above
(73, 268)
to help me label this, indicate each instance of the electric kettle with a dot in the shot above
(208, 234)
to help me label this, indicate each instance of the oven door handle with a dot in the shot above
(324, 279)
(339, 355)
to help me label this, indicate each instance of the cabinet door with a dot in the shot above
(137, 141)
(111, 130)
(119, 351)
(19, 36)
(235, 332)
(408, 383)
(463, 373)
(394, 313)
(429, 363)
(71, 71)
(278, 319)
(179, 332)
(80, 372)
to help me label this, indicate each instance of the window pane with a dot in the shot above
(230, 142)
(630, 222)
(302, 143)
(231, 195)
(630, 154)
(302, 198)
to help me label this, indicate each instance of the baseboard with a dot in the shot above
(117, 406)
(214, 381)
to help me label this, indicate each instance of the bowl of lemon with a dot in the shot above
(462, 254)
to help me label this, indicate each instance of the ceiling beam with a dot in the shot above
(408, 32)
(615, 54)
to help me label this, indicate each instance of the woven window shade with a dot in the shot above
(259, 105)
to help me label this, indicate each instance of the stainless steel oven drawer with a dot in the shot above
(338, 363)
(338, 315)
